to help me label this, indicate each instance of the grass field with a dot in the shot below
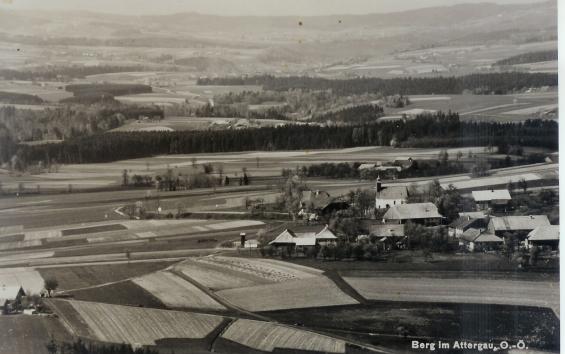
(121, 293)
(313, 292)
(175, 292)
(85, 276)
(266, 337)
(30, 279)
(136, 326)
(264, 284)
(23, 334)
(378, 323)
(455, 290)
(198, 123)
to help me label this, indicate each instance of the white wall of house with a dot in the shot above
(387, 203)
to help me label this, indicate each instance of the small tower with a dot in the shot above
(379, 184)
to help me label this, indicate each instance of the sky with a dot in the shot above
(238, 7)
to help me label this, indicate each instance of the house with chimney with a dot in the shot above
(518, 226)
(544, 236)
(475, 240)
(492, 199)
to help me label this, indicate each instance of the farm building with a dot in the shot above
(519, 226)
(11, 297)
(479, 240)
(302, 240)
(474, 214)
(463, 223)
(388, 235)
(421, 213)
(390, 196)
(544, 236)
(495, 199)
(320, 203)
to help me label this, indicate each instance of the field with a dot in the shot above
(314, 292)
(378, 323)
(133, 325)
(198, 123)
(79, 277)
(30, 279)
(119, 293)
(23, 334)
(455, 290)
(503, 108)
(264, 285)
(175, 292)
(267, 336)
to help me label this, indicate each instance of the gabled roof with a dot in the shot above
(387, 230)
(393, 192)
(464, 222)
(366, 166)
(544, 233)
(286, 236)
(490, 195)
(474, 214)
(412, 211)
(477, 235)
(325, 235)
(9, 293)
(515, 223)
(318, 199)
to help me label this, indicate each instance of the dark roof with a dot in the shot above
(317, 199)
(464, 223)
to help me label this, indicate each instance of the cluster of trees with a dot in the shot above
(425, 131)
(108, 89)
(352, 114)
(330, 170)
(54, 73)
(80, 347)
(546, 202)
(449, 201)
(19, 98)
(491, 83)
(530, 57)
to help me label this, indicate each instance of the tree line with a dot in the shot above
(438, 130)
(490, 83)
(530, 57)
(19, 98)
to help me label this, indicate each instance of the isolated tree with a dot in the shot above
(220, 170)
(510, 186)
(125, 178)
(480, 168)
(523, 184)
(51, 284)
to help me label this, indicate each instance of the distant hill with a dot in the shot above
(531, 57)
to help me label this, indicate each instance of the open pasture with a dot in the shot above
(454, 290)
(48, 91)
(176, 292)
(30, 279)
(198, 123)
(30, 334)
(133, 325)
(304, 293)
(77, 277)
(265, 336)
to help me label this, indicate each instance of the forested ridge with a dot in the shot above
(439, 130)
(491, 83)
(530, 57)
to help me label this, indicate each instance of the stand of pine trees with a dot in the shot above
(438, 130)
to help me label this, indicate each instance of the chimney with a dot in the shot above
(379, 184)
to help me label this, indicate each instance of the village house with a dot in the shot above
(463, 223)
(317, 203)
(475, 240)
(11, 298)
(493, 199)
(518, 226)
(544, 236)
(301, 241)
(390, 196)
(388, 235)
(420, 213)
